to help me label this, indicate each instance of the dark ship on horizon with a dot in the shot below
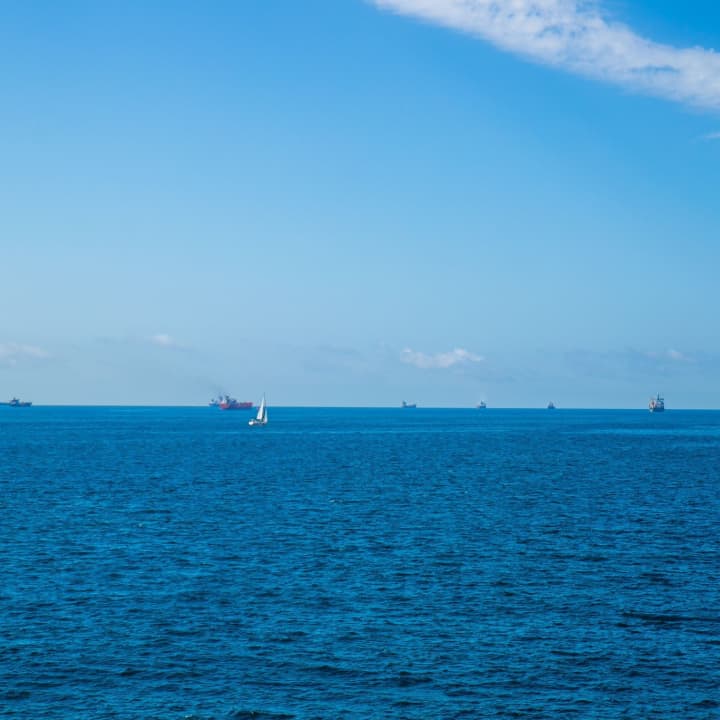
(657, 404)
(16, 402)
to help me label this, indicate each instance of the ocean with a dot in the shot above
(359, 563)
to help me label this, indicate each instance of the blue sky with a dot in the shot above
(355, 202)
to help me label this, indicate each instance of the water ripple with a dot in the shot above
(359, 564)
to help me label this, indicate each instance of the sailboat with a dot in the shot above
(261, 417)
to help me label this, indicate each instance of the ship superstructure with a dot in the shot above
(657, 404)
(16, 402)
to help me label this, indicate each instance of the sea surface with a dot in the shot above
(359, 563)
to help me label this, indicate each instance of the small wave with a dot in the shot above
(667, 618)
(656, 578)
(260, 715)
(289, 637)
(408, 679)
(406, 703)
(16, 695)
(706, 703)
(333, 670)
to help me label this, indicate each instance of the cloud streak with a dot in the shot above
(12, 353)
(442, 361)
(164, 340)
(577, 36)
(671, 354)
(635, 364)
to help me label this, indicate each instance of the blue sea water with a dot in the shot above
(357, 563)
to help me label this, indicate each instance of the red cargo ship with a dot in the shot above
(225, 402)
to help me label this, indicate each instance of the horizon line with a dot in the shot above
(354, 407)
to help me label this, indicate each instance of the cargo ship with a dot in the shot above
(657, 404)
(15, 402)
(225, 402)
(408, 405)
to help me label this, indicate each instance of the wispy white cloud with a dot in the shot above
(12, 353)
(578, 36)
(456, 357)
(671, 354)
(634, 363)
(165, 341)
(678, 356)
(711, 136)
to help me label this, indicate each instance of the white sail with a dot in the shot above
(261, 417)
